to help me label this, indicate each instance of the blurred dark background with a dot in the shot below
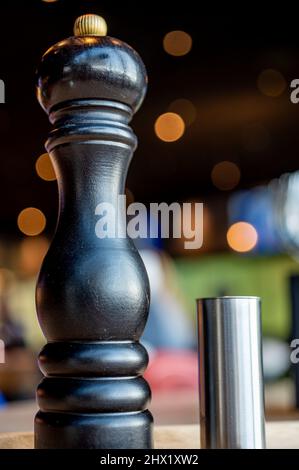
(234, 121)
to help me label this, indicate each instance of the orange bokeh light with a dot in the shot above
(177, 43)
(271, 83)
(31, 221)
(242, 237)
(169, 127)
(44, 168)
(225, 175)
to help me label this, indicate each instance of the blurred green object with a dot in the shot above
(230, 274)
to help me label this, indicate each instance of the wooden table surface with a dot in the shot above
(180, 431)
(280, 435)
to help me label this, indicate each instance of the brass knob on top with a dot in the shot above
(90, 25)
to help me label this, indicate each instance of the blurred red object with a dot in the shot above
(172, 370)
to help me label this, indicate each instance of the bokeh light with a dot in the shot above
(177, 43)
(225, 175)
(242, 237)
(185, 108)
(31, 221)
(169, 127)
(44, 168)
(271, 82)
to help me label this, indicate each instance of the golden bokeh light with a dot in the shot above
(177, 43)
(185, 108)
(44, 168)
(169, 127)
(242, 237)
(225, 175)
(31, 221)
(271, 83)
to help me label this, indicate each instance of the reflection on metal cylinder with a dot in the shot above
(231, 375)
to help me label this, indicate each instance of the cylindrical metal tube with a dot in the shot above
(231, 373)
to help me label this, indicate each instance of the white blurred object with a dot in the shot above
(285, 193)
(276, 358)
(168, 325)
(154, 268)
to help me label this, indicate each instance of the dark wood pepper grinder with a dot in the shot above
(92, 292)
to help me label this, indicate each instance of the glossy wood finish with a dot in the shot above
(91, 67)
(92, 294)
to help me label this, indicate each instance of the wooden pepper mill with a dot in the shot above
(92, 293)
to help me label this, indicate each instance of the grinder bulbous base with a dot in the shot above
(93, 396)
(97, 431)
